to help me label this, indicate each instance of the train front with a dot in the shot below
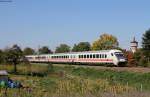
(119, 59)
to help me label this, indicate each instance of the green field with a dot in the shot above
(40, 80)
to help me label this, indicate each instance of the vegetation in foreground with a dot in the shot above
(69, 81)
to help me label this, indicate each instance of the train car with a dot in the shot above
(114, 57)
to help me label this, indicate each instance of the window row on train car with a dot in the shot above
(65, 57)
(93, 56)
(73, 56)
(40, 57)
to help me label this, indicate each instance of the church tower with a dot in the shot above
(134, 45)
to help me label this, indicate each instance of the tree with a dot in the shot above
(146, 44)
(62, 48)
(82, 46)
(1, 56)
(105, 42)
(130, 59)
(28, 51)
(44, 50)
(13, 55)
(138, 55)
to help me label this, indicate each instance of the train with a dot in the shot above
(114, 57)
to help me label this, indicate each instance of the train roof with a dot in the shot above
(103, 51)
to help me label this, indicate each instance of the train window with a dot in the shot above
(112, 54)
(102, 56)
(97, 55)
(105, 56)
(84, 56)
(81, 56)
(93, 55)
(87, 56)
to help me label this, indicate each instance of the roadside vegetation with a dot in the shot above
(70, 81)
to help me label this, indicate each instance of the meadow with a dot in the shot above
(40, 80)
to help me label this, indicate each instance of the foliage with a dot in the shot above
(133, 79)
(44, 50)
(68, 87)
(140, 58)
(13, 55)
(146, 44)
(82, 46)
(79, 82)
(130, 58)
(105, 42)
(28, 51)
(1, 56)
(24, 69)
(62, 48)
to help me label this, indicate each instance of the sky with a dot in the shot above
(37, 23)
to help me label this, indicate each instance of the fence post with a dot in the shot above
(141, 88)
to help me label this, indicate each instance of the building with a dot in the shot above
(134, 45)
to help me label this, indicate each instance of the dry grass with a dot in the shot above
(68, 85)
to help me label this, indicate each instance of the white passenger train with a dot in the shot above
(114, 57)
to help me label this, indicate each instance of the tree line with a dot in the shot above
(15, 54)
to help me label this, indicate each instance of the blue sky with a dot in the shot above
(37, 23)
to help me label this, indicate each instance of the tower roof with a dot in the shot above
(134, 41)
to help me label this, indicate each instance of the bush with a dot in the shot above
(143, 62)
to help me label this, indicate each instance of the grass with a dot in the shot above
(133, 79)
(70, 81)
